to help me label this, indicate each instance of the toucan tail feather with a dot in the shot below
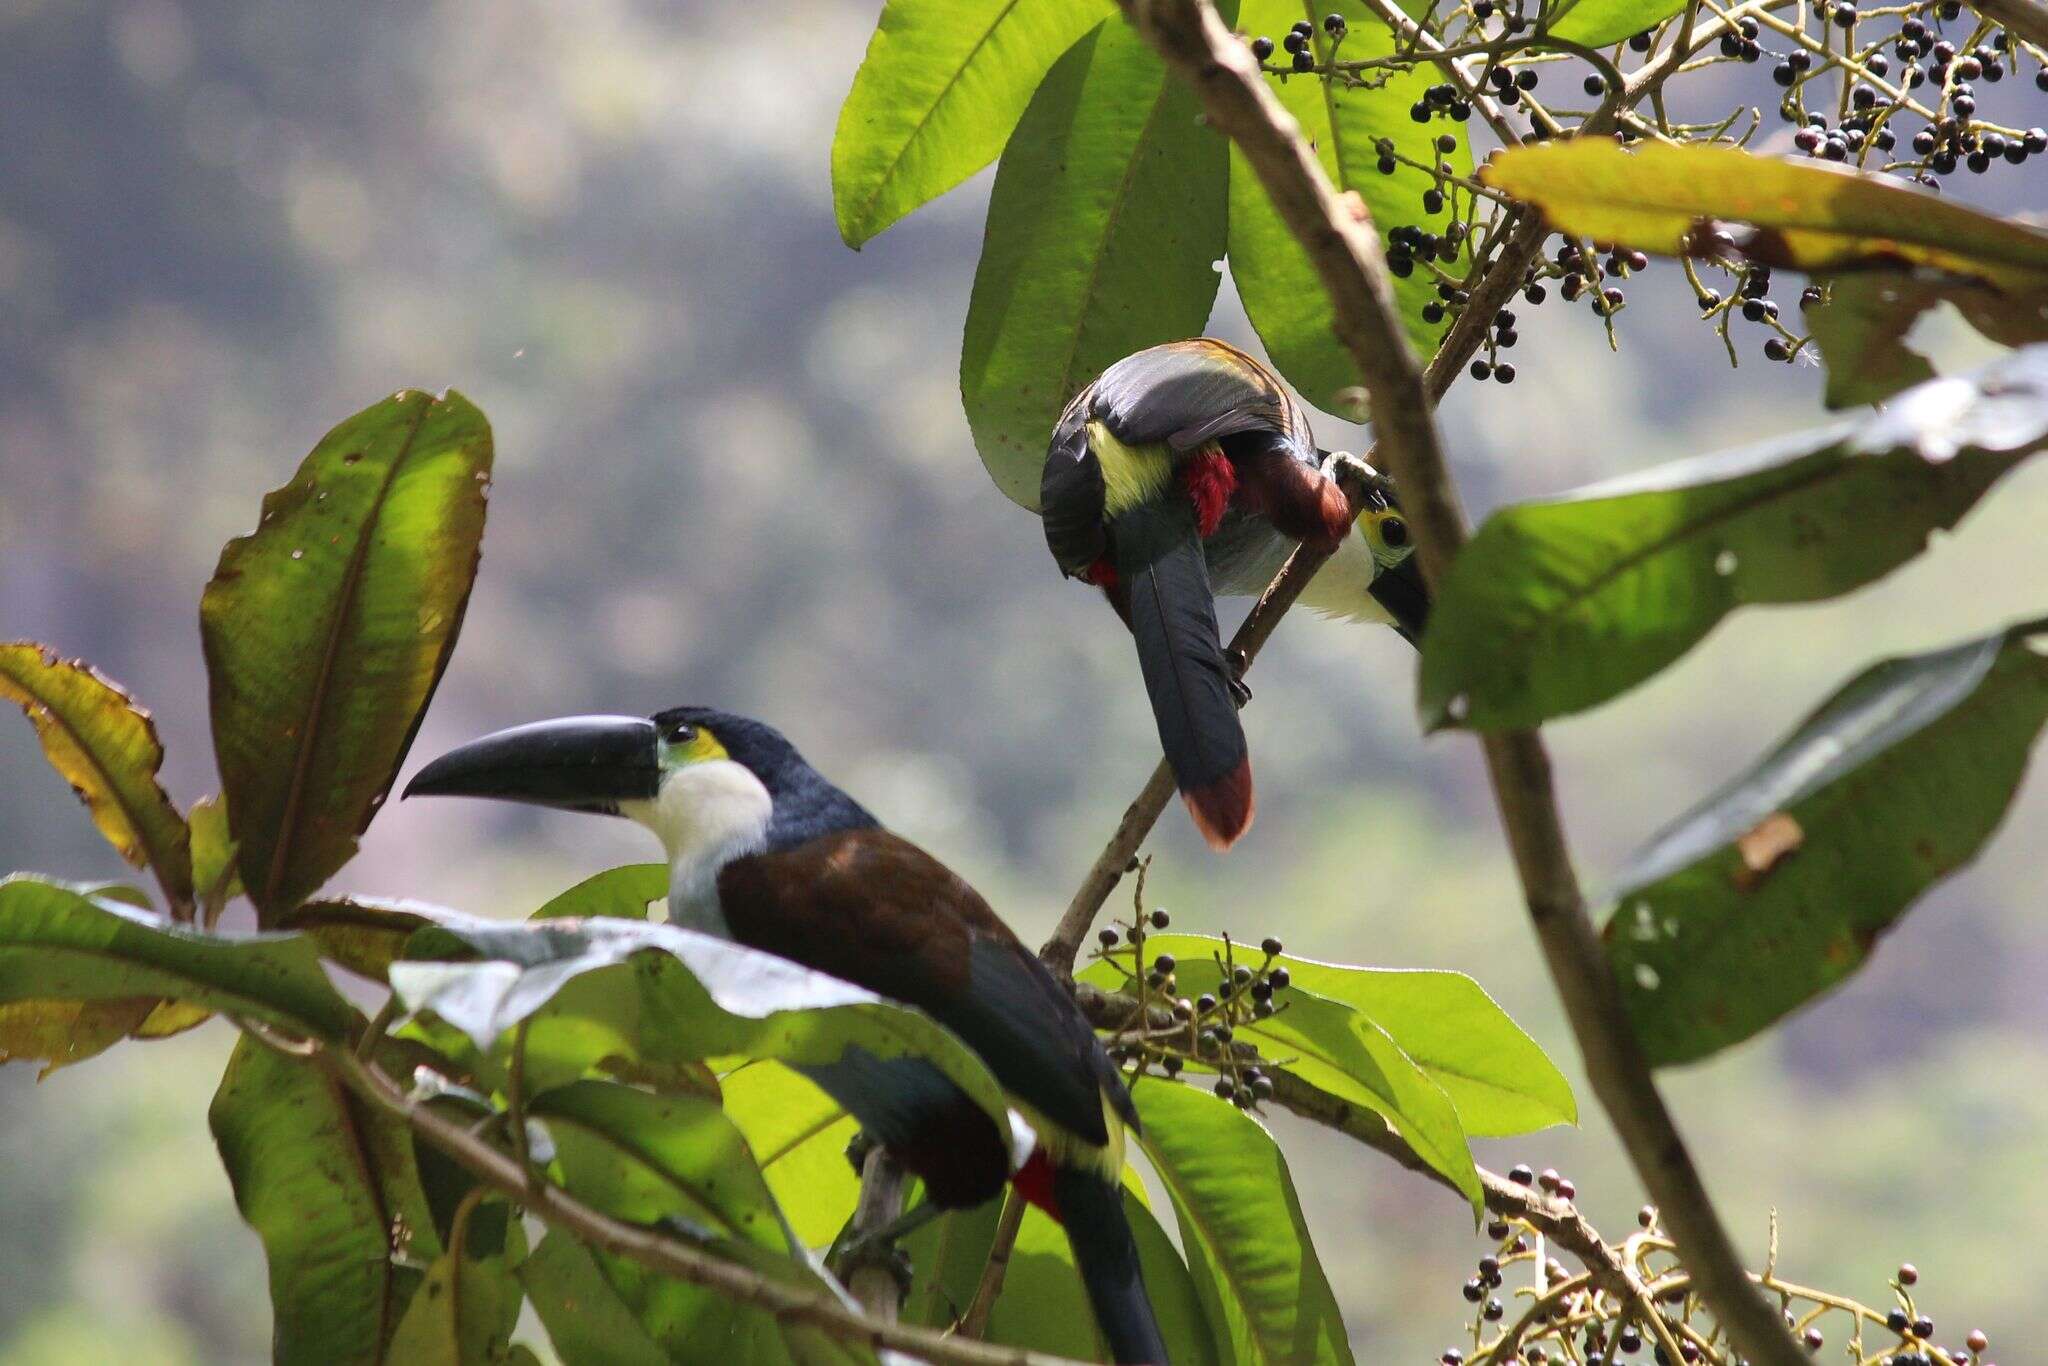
(1107, 1255)
(1172, 615)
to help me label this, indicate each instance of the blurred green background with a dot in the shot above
(732, 468)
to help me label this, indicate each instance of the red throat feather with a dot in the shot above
(1210, 480)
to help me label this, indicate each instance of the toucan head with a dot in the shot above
(1397, 578)
(610, 765)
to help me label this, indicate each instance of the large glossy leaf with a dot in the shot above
(461, 1315)
(696, 996)
(1777, 887)
(1043, 1306)
(1596, 23)
(1862, 321)
(651, 1159)
(1104, 228)
(1501, 1082)
(331, 1188)
(106, 748)
(1281, 291)
(59, 944)
(1335, 1046)
(1804, 214)
(1262, 1290)
(943, 83)
(799, 1134)
(586, 1321)
(642, 1157)
(327, 628)
(1557, 606)
(624, 893)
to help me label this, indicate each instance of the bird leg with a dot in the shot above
(878, 1247)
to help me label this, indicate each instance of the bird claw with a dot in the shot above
(879, 1251)
(1240, 690)
(857, 1149)
(1344, 467)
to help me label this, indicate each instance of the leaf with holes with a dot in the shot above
(1261, 1288)
(1281, 291)
(331, 1187)
(328, 627)
(106, 748)
(1802, 215)
(1557, 606)
(1776, 888)
(1104, 227)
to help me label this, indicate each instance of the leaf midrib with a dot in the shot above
(288, 817)
(866, 205)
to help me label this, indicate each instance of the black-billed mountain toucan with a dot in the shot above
(1189, 465)
(765, 852)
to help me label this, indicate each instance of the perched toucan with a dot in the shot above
(765, 852)
(1188, 466)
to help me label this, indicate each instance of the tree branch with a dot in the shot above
(559, 1209)
(870, 1279)
(1347, 256)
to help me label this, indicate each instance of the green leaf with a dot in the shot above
(1043, 1306)
(327, 628)
(696, 996)
(1500, 1080)
(106, 747)
(587, 1322)
(1777, 887)
(623, 893)
(363, 934)
(800, 1135)
(1802, 215)
(460, 1315)
(1596, 23)
(56, 944)
(214, 877)
(1557, 606)
(1861, 325)
(65, 1033)
(642, 1158)
(1104, 227)
(1262, 1290)
(942, 85)
(330, 1186)
(1336, 1047)
(1281, 291)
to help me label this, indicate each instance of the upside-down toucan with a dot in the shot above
(765, 852)
(1189, 465)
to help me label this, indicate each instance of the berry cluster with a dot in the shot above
(1593, 1319)
(1170, 1032)
(1904, 89)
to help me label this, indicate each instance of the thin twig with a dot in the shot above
(1347, 256)
(975, 1324)
(652, 1248)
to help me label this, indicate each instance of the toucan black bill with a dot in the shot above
(1400, 590)
(578, 763)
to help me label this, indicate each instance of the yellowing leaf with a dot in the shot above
(106, 748)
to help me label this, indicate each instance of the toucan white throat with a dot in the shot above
(706, 814)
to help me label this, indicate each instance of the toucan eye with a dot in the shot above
(682, 734)
(1394, 531)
